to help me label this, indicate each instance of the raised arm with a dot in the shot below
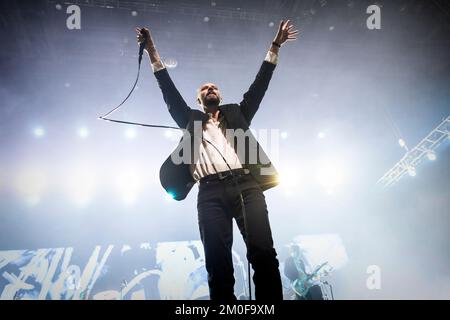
(253, 97)
(176, 105)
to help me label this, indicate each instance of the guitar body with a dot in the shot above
(302, 285)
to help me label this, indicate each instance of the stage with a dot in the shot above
(356, 121)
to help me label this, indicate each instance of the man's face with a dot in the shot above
(209, 95)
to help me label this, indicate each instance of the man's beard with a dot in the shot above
(212, 101)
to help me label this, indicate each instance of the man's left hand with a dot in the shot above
(285, 33)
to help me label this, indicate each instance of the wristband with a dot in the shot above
(276, 44)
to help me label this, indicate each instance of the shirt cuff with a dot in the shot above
(271, 57)
(157, 66)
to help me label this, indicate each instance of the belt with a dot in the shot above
(225, 175)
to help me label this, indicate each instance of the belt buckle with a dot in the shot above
(221, 175)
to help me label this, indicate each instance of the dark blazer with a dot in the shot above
(176, 178)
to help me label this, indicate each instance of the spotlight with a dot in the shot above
(30, 184)
(130, 133)
(206, 19)
(128, 185)
(288, 179)
(81, 183)
(58, 6)
(412, 171)
(321, 135)
(134, 13)
(168, 134)
(83, 132)
(39, 132)
(172, 135)
(431, 155)
(170, 196)
(284, 135)
(331, 28)
(271, 24)
(330, 177)
(171, 63)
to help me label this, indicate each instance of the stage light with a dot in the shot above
(431, 155)
(288, 179)
(58, 6)
(170, 196)
(128, 185)
(331, 28)
(412, 171)
(271, 24)
(170, 63)
(30, 184)
(134, 13)
(81, 183)
(130, 133)
(39, 132)
(206, 19)
(168, 133)
(330, 176)
(426, 147)
(321, 135)
(83, 132)
(284, 135)
(173, 135)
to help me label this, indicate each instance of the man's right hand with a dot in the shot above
(141, 32)
(150, 47)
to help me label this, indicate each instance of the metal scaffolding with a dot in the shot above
(414, 157)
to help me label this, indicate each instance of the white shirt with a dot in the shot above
(210, 161)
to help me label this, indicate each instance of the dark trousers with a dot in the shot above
(218, 203)
(314, 293)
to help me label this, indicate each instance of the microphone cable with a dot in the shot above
(105, 116)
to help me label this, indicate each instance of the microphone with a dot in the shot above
(142, 45)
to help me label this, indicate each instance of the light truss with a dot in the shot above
(187, 8)
(414, 157)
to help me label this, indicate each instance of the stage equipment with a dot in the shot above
(425, 148)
